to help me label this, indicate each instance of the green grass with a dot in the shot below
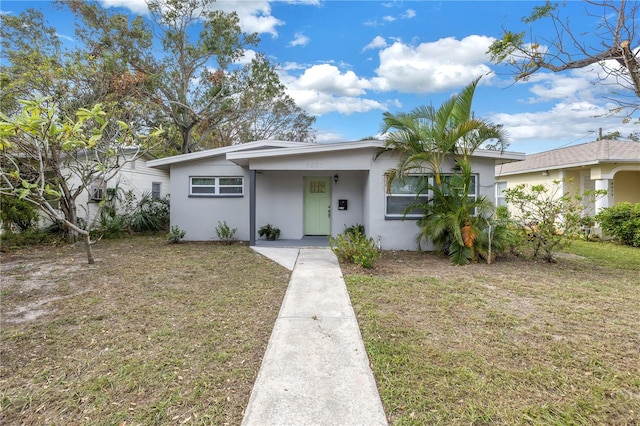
(513, 343)
(607, 254)
(152, 333)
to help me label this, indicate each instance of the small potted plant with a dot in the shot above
(270, 232)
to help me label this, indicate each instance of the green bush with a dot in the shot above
(175, 235)
(622, 221)
(30, 237)
(548, 216)
(149, 214)
(18, 213)
(353, 246)
(225, 233)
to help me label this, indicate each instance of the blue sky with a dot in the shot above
(347, 62)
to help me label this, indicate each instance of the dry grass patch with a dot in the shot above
(516, 342)
(151, 334)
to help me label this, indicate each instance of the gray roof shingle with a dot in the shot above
(602, 151)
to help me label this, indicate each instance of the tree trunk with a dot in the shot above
(87, 243)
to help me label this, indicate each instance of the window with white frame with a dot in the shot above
(401, 194)
(156, 188)
(500, 197)
(216, 186)
(473, 187)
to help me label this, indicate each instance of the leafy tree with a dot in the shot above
(35, 64)
(49, 160)
(424, 138)
(258, 108)
(32, 61)
(186, 57)
(612, 47)
(547, 215)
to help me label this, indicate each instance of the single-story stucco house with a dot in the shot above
(302, 189)
(608, 165)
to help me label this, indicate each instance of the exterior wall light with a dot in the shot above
(335, 178)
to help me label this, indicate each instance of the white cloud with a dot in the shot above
(65, 37)
(322, 89)
(329, 79)
(247, 57)
(136, 6)
(410, 13)
(564, 120)
(255, 16)
(432, 67)
(318, 103)
(377, 43)
(299, 39)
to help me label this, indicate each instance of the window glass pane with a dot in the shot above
(231, 190)
(230, 181)
(203, 190)
(317, 187)
(203, 181)
(472, 187)
(155, 190)
(396, 205)
(409, 185)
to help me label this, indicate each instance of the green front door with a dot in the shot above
(317, 206)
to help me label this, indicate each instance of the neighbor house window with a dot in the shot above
(219, 186)
(156, 187)
(500, 197)
(97, 190)
(401, 194)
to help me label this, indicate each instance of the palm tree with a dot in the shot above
(424, 138)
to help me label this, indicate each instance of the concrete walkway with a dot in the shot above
(315, 370)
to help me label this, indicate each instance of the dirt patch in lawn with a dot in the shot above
(151, 333)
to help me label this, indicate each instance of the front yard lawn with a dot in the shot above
(516, 342)
(151, 333)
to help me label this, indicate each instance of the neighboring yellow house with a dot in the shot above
(604, 164)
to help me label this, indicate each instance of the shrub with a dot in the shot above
(353, 246)
(33, 236)
(15, 212)
(354, 230)
(547, 215)
(225, 233)
(622, 221)
(175, 235)
(149, 214)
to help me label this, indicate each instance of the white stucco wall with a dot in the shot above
(134, 176)
(397, 234)
(199, 216)
(280, 195)
(280, 200)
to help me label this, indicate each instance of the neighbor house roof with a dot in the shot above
(603, 151)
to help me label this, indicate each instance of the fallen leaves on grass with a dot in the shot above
(151, 333)
(516, 342)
